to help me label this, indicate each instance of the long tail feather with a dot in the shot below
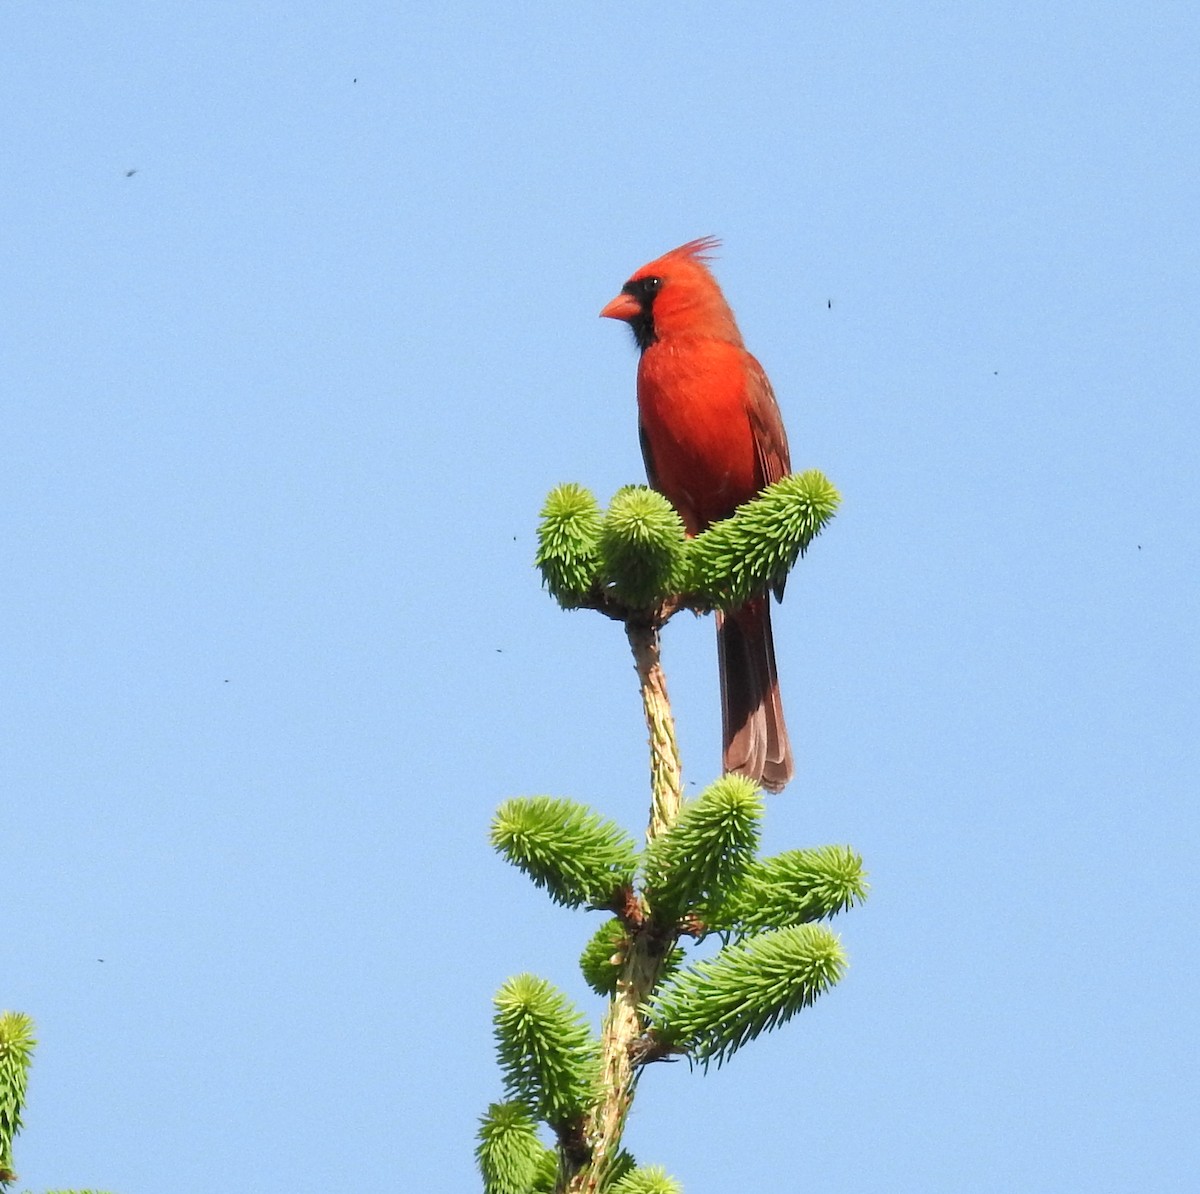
(755, 736)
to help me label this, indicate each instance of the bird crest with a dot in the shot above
(701, 249)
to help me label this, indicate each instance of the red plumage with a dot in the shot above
(712, 437)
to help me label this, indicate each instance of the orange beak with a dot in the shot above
(624, 306)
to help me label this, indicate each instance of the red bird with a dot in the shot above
(712, 438)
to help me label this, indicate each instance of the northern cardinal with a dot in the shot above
(712, 437)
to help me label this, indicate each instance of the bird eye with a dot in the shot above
(642, 289)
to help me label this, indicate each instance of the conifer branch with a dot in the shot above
(697, 873)
(633, 562)
(581, 858)
(641, 548)
(511, 1158)
(651, 1180)
(793, 888)
(17, 1044)
(649, 948)
(568, 535)
(756, 548)
(604, 956)
(713, 1008)
(546, 1053)
(690, 867)
(666, 772)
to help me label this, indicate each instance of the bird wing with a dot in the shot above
(770, 439)
(766, 425)
(648, 457)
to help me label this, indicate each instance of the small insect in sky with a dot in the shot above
(131, 173)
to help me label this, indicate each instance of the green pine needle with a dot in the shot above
(509, 1153)
(567, 543)
(601, 959)
(622, 1165)
(641, 546)
(695, 862)
(604, 954)
(756, 548)
(546, 1052)
(545, 1181)
(581, 858)
(651, 1180)
(794, 888)
(715, 1007)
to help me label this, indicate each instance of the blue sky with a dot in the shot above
(281, 408)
